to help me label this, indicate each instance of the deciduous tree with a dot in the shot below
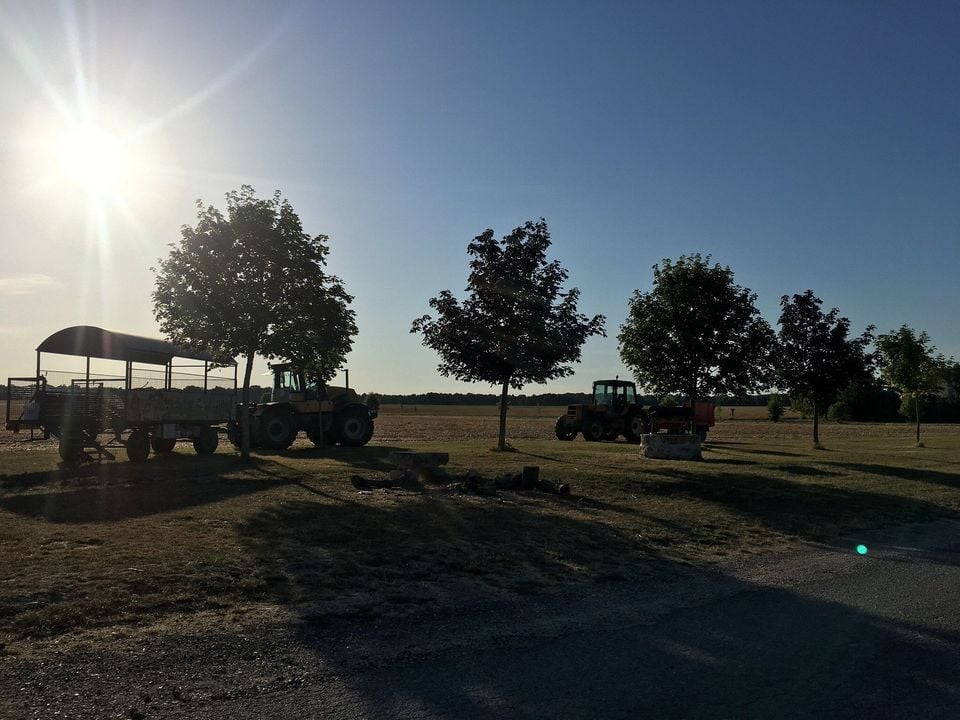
(696, 333)
(910, 365)
(517, 325)
(252, 281)
(816, 358)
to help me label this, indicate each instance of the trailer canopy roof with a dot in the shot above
(89, 341)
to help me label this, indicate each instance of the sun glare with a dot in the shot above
(93, 158)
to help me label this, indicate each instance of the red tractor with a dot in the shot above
(615, 411)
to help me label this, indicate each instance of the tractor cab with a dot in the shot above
(288, 385)
(614, 395)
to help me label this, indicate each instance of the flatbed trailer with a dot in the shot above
(153, 404)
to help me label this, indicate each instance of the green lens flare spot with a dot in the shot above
(862, 549)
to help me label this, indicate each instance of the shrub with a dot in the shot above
(838, 412)
(775, 408)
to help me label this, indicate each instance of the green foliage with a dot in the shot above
(775, 408)
(838, 412)
(517, 325)
(816, 358)
(910, 365)
(909, 408)
(254, 282)
(868, 401)
(696, 333)
(802, 406)
(908, 362)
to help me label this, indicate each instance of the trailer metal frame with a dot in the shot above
(80, 411)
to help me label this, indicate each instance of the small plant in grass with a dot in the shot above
(775, 408)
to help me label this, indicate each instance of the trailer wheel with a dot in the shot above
(138, 446)
(206, 443)
(276, 430)
(162, 445)
(563, 430)
(354, 426)
(592, 430)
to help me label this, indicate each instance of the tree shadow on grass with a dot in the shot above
(805, 470)
(772, 453)
(572, 461)
(919, 474)
(368, 457)
(110, 492)
(382, 558)
(815, 512)
(727, 461)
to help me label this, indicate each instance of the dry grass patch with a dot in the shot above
(190, 538)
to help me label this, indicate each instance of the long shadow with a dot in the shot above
(741, 650)
(368, 457)
(727, 461)
(805, 470)
(815, 512)
(385, 557)
(117, 491)
(773, 453)
(919, 474)
(570, 461)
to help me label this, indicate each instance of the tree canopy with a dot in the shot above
(252, 281)
(816, 357)
(517, 325)
(696, 333)
(910, 364)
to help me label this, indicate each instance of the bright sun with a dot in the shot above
(93, 158)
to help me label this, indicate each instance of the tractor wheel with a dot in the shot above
(592, 430)
(276, 430)
(162, 445)
(206, 442)
(328, 438)
(354, 426)
(70, 449)
(636, 426)
(611, 435)
(138, 446)
(563, 430)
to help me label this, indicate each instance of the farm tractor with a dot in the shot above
(615, 411)
(328, 415)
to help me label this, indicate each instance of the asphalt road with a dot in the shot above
(822, 633)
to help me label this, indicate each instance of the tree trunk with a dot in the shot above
(245, 413)
(502, 440)
(916, 407)
(816, 424)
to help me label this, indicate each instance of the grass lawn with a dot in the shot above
(182, 539)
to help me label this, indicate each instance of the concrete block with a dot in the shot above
(669, 446)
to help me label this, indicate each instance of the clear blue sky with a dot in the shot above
(804, 144)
